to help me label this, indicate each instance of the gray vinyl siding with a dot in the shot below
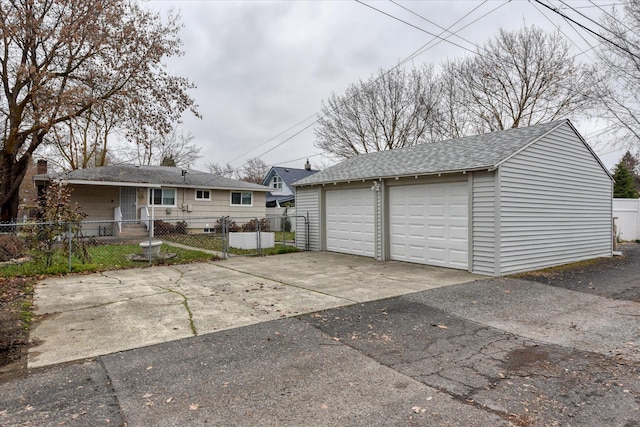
(483, 224)
(555, 205)
(308, 203)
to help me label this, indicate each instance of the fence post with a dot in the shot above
(258, 243)
(307, 245)
(150, 240)
(225, 242)
(70, 242)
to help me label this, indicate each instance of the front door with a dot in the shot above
(128, 200)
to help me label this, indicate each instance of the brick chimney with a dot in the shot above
(41, 167)
(307, 166)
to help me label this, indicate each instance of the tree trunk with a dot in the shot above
(13, 173)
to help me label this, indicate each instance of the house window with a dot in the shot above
(276, 182)
(162, 197)
(203, 195)
(241, 199)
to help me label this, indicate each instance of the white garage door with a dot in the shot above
(350, 218)
(429, 224)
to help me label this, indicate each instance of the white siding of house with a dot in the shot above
(308, 203)
(483, 223)
(555, 205)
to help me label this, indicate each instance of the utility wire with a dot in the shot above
(410, 57)
(413, 26)
(597, 23)
(613, 18)
(274, 137)
(555, 10)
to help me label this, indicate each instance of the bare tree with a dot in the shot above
(518, 79)
(621, 63)
(175, 146)
(83, 141)
(393, 109)
(59, 59)
(254, 170)
(227, 170)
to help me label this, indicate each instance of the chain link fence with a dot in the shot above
(29, 247)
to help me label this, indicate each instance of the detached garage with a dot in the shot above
(495, 204)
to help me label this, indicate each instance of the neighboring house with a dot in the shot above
(28, 191)
(132, 193)
(495, 204)
(280, 180)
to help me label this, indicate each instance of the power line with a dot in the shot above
(410, 57)
(274, 137)
(613, 18)
(555, 10)
(414, 26)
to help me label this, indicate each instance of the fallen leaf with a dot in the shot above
(168, 400)
(443, 327)
(149, 367)
(336, 339)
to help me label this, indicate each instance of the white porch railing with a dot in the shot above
(146, 219)
(117, 216)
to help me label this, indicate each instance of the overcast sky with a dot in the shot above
(263, 68)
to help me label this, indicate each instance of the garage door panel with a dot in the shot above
(350, 221)
(429, 224)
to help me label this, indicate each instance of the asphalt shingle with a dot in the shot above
(154, 175)
(477, 152)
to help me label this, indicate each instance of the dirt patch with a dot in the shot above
(526, 357)
(15, 316)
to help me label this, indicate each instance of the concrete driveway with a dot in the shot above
(552, 348)
(90, 315)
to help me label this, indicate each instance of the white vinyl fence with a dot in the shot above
(628, 213)
(277, 220)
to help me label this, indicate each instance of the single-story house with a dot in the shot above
(127, 192)
(280, 180)
(494, 204)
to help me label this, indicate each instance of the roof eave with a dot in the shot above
(415, 175)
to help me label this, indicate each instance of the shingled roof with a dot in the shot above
(477, 152)
(292, 175)
(150, 176)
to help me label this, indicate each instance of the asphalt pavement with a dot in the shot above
(485, 352)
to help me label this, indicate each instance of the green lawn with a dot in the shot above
(103, 257)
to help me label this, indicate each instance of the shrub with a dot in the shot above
(231, 225)
(181, 227)
(254, 223)
(11, 247)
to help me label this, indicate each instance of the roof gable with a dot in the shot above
(486, 151)
(151, 175)
(288, 175)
